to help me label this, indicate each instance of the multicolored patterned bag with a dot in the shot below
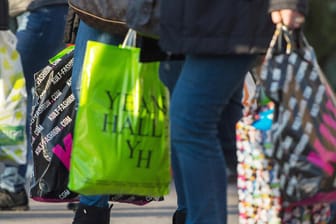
(259, 189)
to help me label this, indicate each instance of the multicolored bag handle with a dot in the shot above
(284, 41)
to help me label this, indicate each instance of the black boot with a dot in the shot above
(92, 215)
(73, 206)
(179, 217)
(13, 201)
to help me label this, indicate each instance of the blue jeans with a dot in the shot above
(40, 36)
(206, 88)
(84, 34)
(169, 73)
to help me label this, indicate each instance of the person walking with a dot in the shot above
(39, 26)
(220, 40)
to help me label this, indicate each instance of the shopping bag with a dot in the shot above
(121, 136)
(258, 193)
(258, 184)
(52, 125)
(13, 98)
(258, 189)
(304, 128)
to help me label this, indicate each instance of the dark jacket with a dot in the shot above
(4, 16)
(41, 3)
(219, 26)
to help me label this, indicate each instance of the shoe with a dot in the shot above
(179, 217)
(92, 215)
(73, 206)
(13, 201)
(232, 176)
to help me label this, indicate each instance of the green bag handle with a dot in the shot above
(61, 53)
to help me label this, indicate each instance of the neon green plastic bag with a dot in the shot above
(121, 137)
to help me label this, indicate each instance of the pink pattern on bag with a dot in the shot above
(64, 154)
(326, 134)
(329, 120)
(322, 157)
(325, 197)
(330, 106)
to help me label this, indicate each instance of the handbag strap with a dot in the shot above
(130, 39)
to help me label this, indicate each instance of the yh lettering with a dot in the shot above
(143, 157)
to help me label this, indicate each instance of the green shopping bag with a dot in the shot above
(121, 136)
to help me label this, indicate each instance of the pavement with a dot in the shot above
(152, 213)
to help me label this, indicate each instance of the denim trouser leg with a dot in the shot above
(169, 73)
(40, 37)
(202, 92)
(84, 34)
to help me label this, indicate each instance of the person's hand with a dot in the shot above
(290, 18)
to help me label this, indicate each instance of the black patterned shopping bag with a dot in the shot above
(304, 127)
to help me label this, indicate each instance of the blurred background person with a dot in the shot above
(39, 27)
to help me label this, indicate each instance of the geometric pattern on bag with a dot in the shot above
(304, 127)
